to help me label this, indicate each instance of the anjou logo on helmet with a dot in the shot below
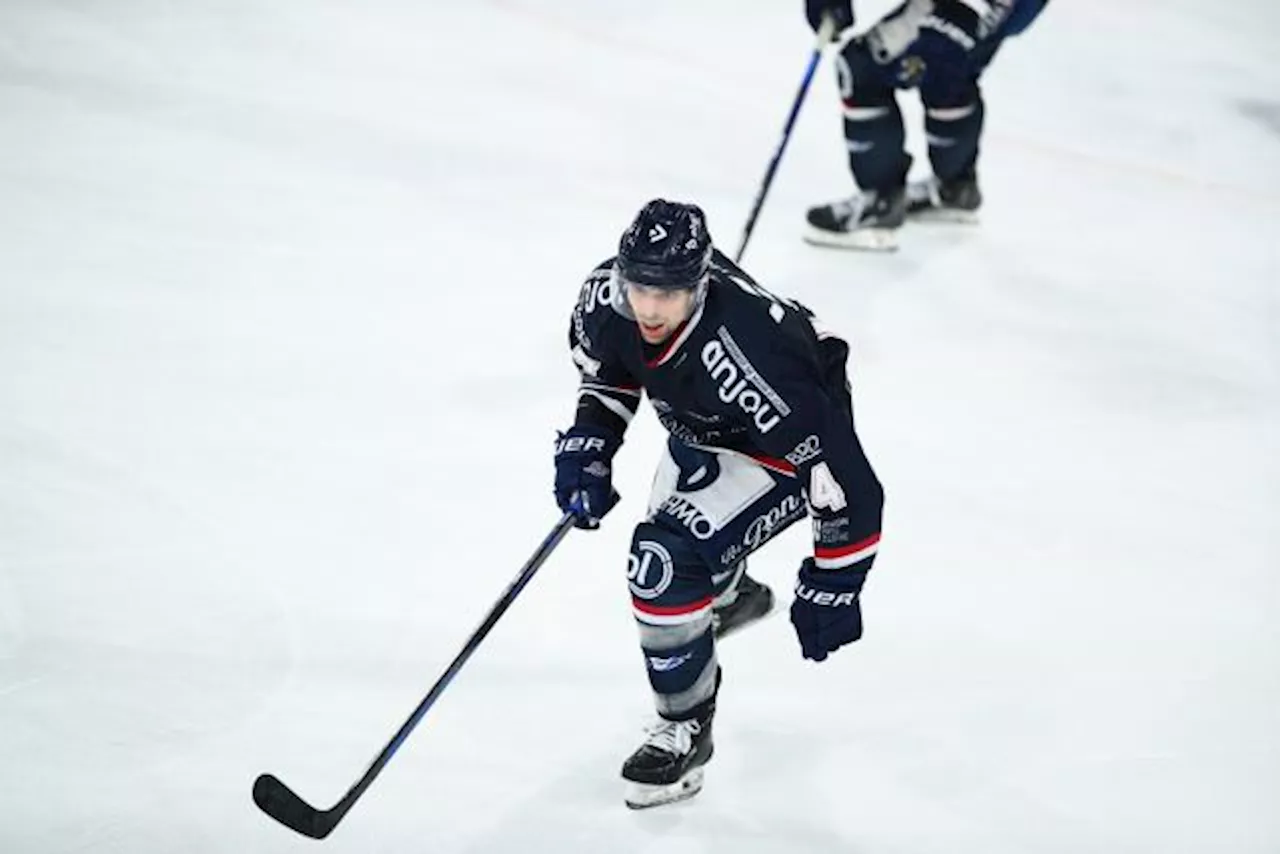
(657, 233)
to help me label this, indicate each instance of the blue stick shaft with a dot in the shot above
(824, 36)
(283, 804)
(499, 608)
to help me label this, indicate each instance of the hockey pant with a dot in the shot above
(708, 510)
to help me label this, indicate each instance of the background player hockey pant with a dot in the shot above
(919, 45)
(873, 129)
(953, 128)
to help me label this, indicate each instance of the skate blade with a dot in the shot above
(868, 239)
(641, 796)
(951, 216)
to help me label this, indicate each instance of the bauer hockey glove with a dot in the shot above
(825, 612)
(584, 475)
(841, 12)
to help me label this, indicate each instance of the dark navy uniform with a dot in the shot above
(754, 394)
(940, 47)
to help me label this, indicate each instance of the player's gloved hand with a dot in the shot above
(584, 475)
(841, 11)
(825, 612)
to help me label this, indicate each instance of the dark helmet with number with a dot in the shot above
(667, 246)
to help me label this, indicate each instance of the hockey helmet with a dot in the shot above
(667, 246)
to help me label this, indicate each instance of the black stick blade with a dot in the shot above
(278, 801)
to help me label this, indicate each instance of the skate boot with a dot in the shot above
(741, 605)
(668, 766)
(866, 220)
(944, 201)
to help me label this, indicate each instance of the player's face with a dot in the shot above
(659, 311)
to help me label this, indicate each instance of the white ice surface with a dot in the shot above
(283, 294)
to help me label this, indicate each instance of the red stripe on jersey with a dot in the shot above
(671, 610)
(668, 350)
(841, 551)
(774, 464)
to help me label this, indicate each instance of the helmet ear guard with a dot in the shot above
(666, 246)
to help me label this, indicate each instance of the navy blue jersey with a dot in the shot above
(750, 373)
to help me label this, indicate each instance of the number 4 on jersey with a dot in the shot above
(824, 492)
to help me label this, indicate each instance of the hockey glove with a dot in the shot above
(825, 612)
(841, 11)
(584, 476)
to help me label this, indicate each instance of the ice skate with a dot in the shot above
(668, 766)
(866, 220)
(740, 605)
(932, 200)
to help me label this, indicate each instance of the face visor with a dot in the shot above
(621, 286)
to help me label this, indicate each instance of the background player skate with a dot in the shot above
(754, 395)
(940, 47)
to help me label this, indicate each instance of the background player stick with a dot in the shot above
(824, 36)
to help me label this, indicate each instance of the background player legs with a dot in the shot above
(954, 114)
(875, 139)
(953, 120)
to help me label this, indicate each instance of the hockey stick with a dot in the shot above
(279, 801)
(824, 36)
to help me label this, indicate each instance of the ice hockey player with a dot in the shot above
(753, 392)
(941, 48)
